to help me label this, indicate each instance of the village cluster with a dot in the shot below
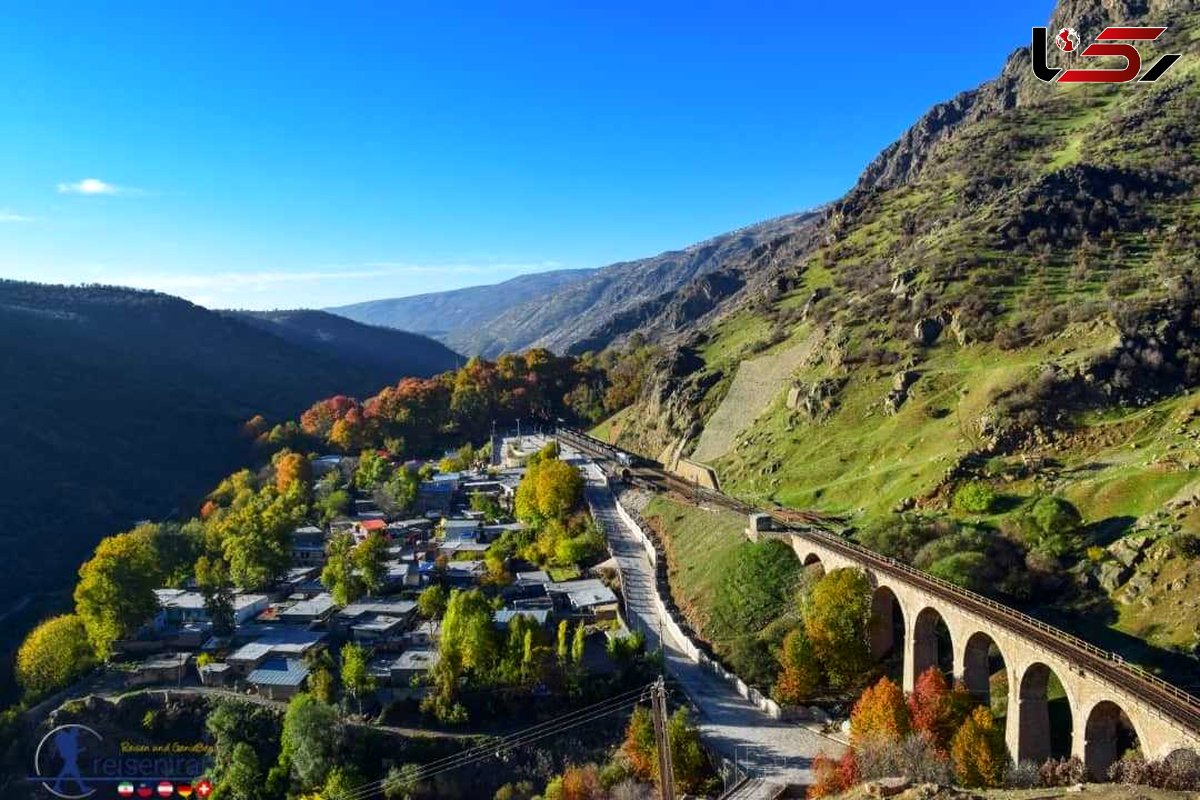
(440, 540)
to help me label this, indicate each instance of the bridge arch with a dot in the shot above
(932, 643)
(1109, 733)
(888, 628)
(1044, 727)
(813, 566)
(981, 659)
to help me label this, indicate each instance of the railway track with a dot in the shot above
(1172, 702)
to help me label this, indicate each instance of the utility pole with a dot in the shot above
(666, 770)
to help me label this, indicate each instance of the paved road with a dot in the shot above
(769, 748)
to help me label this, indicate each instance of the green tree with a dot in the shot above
(355, 675)
(564, 641)
(55, 654)
(373, 470)
(115, 593)
(243, 778)
(214, 582)
(310, 738)
(687, 753)
(469, 643)
(370, 559)
(974, 497)
(431, 602)
(333, 505)
(339, 575)
(403, 782)
(577, 644)
(837, 613)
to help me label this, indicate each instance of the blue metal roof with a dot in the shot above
(280, 672)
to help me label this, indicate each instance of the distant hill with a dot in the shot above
(448, 315)
(583, 309)
(394, 351)
(119, 405)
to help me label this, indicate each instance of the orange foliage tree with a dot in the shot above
(639, 746)
(937, 711)
(880, 715)
(833, 776)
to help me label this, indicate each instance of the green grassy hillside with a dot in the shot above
(1016, 308)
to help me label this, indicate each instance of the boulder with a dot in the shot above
(1112, 574)
(927, 331)
(888, 787)
(1129, 551)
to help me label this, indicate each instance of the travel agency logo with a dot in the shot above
(1112, 41)
(72, 762)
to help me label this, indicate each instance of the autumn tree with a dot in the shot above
(639, 746)
(687, 753)
(936, 710)
(979, 752)
(800, 672)
(115, 594)
(880, 716)
(292, 470)
(837, 613)
(54, 654)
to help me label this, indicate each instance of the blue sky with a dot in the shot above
(265, 154)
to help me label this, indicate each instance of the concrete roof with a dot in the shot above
(417, 658)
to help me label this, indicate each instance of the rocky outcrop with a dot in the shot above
(902, 381)
(815, 400)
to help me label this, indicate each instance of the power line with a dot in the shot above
(512, 741)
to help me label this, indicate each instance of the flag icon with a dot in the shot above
(125, 789)
(184, 790)
(165, 789)
(204, 788)
(144, 790)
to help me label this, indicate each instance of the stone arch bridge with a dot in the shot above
(931, 623)
(1048, 678)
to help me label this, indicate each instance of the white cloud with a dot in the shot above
(96, 187)
(9, 216)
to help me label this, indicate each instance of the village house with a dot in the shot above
(166, 668)
(504, 616)
(307, 547)
(180, 607)
(414, 663)
(279, 678)
(588, 597)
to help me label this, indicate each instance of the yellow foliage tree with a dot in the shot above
(978, 751)
(53, 655)
(115, 593)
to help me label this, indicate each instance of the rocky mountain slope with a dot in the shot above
(587, 309)
(454, 314)
(1008, 300)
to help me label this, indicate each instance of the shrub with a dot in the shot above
(1060, 772)
(967, 570)
(1179, 771)
(1022, 776)
(974, 497)
(832, 777)
(914, 756)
